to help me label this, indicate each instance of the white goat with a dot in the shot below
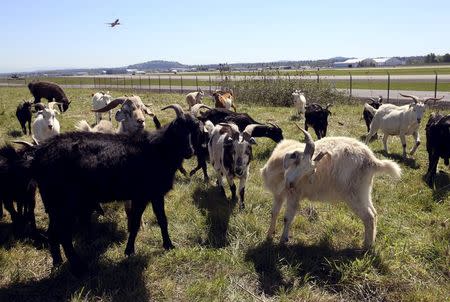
(102, 127)
(398, 120)
(131, 115)
(299, 102)
(195, 97)
(342, 170)
(100, 100)
(45, 125)
(230, 154)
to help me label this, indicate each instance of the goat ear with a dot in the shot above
(252, 141)
(120, 116)
(289, 158)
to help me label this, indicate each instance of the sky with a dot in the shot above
(50, 34)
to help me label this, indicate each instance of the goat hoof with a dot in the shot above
(129, 251)
(283, 240)
(168, 246)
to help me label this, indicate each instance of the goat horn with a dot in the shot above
(273, 125)
(25, 143)
(177, 108)
(372, 99)
(433, 99)
(113, 104)
(51, 104)
(415, 98)
(310, 147)
(195, 109)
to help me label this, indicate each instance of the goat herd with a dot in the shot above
(77, 171)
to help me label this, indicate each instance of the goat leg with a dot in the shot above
(183, 171)
(134, 222)
(158, 209)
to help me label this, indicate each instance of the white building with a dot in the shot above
(388, 62)
(369, 62)
(350, 63)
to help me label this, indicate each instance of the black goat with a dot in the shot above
(76, 170)
(242, 120)
(367, 115)
(16, 185)
(438, 143)
(23, 114)
(49, 91)
(317, 117)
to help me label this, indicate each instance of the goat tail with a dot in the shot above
(83, 126)
(370, 109)
(388, 167)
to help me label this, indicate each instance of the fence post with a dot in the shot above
(210, 84)
(140, 83)
(318, 79)
(435, 83)
(159, 84)
(351, 83)
(181, 77)
(196, 81)
(389, 86)
(170, 83)
(149, 84)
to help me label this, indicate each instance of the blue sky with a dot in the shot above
(60, 34)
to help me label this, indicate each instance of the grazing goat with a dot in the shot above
(242, 120)
(100, 100)
(330, 169)
(76, 170)
(231, 152)
(438, 143)
(398, 120)
(23, 114)
(45, 125)
(367, 115)
(317, 117)
(299, 102)
(224, 99)
(195, 97)
(131, 115)
(16, 185)
(49, 91)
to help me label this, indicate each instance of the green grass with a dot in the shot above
(221, 253)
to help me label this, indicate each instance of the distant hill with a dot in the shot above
(157, 65)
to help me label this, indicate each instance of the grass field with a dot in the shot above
(221, 253)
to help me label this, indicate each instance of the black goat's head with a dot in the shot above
(185, 128)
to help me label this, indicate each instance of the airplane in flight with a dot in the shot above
(114, 23)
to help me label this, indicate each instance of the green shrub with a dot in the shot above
(278, 91)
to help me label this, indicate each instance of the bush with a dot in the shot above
(278, 91)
